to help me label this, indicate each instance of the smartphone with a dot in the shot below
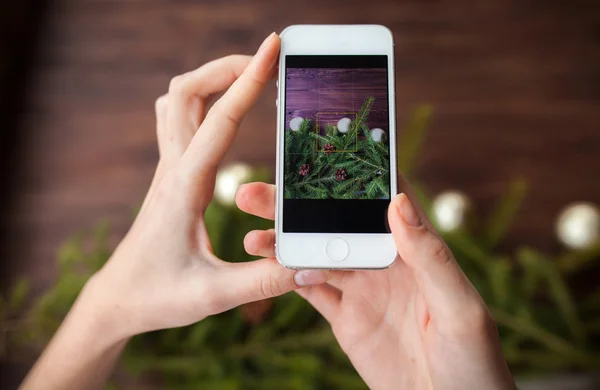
(336, 147)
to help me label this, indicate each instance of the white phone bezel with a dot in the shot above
(307, 250)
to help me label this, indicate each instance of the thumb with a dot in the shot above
(446, 289)
(265, 278)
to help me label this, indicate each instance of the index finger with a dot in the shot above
(187, 99)
(218, 130)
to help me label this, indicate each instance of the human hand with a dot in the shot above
(164, 274)
(419, 324)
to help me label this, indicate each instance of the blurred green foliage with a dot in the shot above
(543, 326)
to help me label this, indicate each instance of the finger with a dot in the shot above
(160, 108)
(257, 199)
(324, 298)
(445, 287)
(405, 187)
(260, 243)
(218, 130)
(187, 98)
(339, 279)
(262, 279)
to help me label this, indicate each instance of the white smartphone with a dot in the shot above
(336, 147)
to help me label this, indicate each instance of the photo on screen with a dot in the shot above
(336, 133)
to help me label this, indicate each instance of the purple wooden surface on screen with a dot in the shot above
(329, 90)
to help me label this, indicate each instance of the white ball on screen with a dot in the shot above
(377, 134)
(295, 123)
(343, 125)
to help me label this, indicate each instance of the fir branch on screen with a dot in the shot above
(340, 166)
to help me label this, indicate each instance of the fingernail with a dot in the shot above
(309, 277)
(407, 211)
(265, 42)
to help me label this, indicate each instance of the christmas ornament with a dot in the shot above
(329, 148)
(343, 125)
(578, 225)
(304, 169)
(449, 210)
(377, 134)
(295, 123)
(341, 174)
(228, 180)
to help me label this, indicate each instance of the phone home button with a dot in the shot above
(337, 249)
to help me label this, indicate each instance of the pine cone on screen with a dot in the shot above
(341, 175)
(328, 148)
(304, 169)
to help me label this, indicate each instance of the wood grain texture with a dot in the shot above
(514, 86)
(325, 92)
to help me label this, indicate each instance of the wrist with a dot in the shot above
(85, 347)
(100, 311)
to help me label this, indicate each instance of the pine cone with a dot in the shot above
(329, 148)
(341, 174)
(304, 169)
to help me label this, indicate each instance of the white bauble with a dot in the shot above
(295, 123)
(449, 210)
(578, 225)
(343, 125)
(377, 134)
(228, 180)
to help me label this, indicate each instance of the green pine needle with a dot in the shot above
(365, 162)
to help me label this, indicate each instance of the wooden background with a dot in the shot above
(327, 91)
(514, 86)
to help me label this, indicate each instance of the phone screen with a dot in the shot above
(336, 153)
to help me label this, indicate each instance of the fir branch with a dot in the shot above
(354, 156)
(363, 114)
(316, 181)
(535, 332)
(412, 139)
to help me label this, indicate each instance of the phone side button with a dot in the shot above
(337, 249)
